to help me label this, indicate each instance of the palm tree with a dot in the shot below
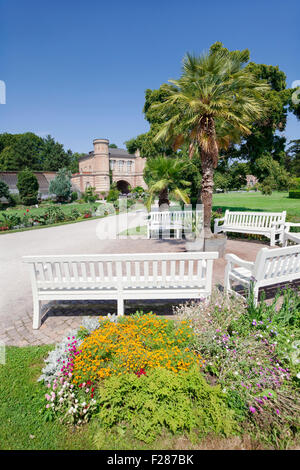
(213, 104)
(164, 177)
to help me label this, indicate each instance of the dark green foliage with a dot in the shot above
(74, 196)
(61, 185)
(28, 187)
(53, 155)
(162, 399)
(295, 194)
(20, 151)
(89, 195)
(4, 192)
(113, 194)
(293, 158)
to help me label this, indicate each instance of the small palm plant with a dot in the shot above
(164, 177)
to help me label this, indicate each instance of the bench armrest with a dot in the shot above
(279, 223)
(233, 259)
(288, 225)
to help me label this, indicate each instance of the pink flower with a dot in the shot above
(252, 409)
(47, 397)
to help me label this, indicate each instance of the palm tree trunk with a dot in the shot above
(209, 160)
(207, 192)
(163, 197)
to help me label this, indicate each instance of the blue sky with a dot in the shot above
(78, 70)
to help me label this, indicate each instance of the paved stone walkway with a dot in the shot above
(61, 317)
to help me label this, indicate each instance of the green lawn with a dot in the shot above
(22, 426)
(256, 201)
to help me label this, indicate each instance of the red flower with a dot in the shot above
(27, 210)
(140, 372)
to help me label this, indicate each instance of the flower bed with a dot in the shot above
(223, 367)
(143, 363)
(48, 215)
(252, 352)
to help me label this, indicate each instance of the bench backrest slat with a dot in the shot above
(117, 271)
(253, 219)
(277, 263)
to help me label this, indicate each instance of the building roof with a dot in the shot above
(11, 179)
(113, 153)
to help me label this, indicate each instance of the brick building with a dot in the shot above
(105, 164)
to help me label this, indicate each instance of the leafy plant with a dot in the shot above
(161, 399)
(28, 187)
(90, 195)
(61, 185)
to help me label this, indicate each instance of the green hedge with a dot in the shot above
(295, 194)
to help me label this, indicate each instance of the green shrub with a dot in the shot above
(61, 185)
(90, 195)
(295, 194)
(10, 220)
(162, 399)
(295, 183)
(113, 195)
(28, 187)
(74, 214)
(74, 196)
(55, 214)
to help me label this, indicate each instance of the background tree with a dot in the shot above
(293, 158)
(28, 187)
(23, 152)
(61, 185)
(53, 156)
(4, 191)
(272, 174)
(19, 151)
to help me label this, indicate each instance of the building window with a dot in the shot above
(112, 164)
(121, 165)
(129, 166)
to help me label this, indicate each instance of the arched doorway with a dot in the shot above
(123, 186)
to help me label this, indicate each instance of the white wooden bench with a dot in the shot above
(271, 267)
(293, 237)
(173, 220)
(119, 277)
(268, 224)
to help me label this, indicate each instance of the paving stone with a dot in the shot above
(64, 316)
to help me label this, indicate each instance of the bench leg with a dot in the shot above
(120, 307)
(37, 318)
(272, 239)
(255, 294)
